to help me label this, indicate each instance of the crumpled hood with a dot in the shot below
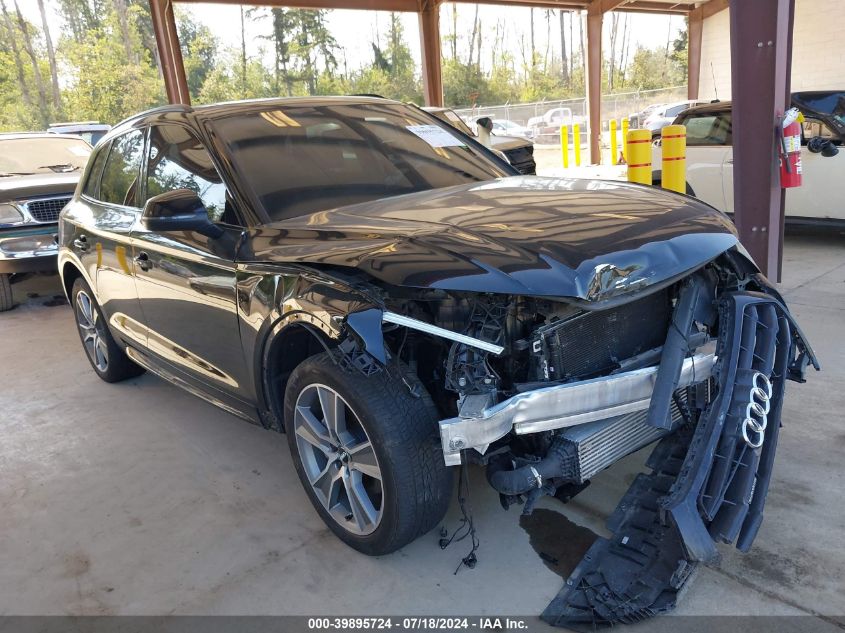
(587, 239)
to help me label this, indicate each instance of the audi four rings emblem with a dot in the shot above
(754, 424)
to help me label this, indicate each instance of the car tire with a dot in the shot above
(6, 300)
(385, 430)
(107, 359)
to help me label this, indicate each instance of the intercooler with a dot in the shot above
(599, 444)
(595, 342)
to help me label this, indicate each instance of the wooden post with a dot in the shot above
(761, 54)
(167, 42)
(430, 50)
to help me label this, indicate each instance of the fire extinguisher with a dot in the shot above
(790, 149)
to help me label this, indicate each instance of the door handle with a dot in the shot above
(143, 261)
(81, 243)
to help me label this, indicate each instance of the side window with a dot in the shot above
(813, 127)
(178, 160)
(708, 129)
(91, 187)
(119, 184)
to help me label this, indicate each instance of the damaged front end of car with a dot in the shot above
(547, 392)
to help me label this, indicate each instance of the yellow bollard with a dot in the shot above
(576, 143)
(674, 146)
(613, 143)
(639, 156)
(564, 145)
(625, 125)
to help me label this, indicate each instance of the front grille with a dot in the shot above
(522, 158)
(46, 209)
(593, 343)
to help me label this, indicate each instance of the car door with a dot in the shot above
(185, 280)
(822, 191)
(709, 163)
(108, 209)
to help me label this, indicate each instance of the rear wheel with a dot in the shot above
(367, 453)
(6, 302)
(107, 359)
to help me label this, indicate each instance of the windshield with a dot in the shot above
(302, 159)
(42, 155)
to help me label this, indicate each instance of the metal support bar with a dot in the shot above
(167, 41)
(696, 27)
(430, 47)
(593, 71)
(761, 52)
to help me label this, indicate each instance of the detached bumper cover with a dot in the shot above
(708, 483)
(28, 250)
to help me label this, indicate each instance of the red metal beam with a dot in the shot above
(713, 7)
(695, 29)
(430, 49)
(593, 80)
(170, 53)
(368, 5)
(761, 53)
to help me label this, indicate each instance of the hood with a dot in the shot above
(37, 185)
(586, 239)
(503, 143)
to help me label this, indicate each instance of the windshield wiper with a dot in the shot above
(63, 168)
(6, 174)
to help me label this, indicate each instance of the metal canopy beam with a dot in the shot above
(169, 51)
(694, 32)
(593, 80)
(761, 58)
(430, 50)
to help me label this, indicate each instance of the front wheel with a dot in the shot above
(107, 359)
(367, 453)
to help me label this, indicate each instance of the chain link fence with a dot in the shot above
(613, 106)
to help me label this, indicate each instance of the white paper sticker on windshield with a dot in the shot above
(435, 136)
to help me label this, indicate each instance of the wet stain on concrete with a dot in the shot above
(560, 543)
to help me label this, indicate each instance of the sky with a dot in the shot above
(354, 30)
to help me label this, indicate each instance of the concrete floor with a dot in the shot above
(137, 498)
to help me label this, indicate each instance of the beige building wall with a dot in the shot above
(818, 57)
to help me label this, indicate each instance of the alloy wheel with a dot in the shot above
(339, 459)
(93, 331)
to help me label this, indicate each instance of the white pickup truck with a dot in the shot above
(820, 199)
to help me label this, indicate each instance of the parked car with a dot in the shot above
(91, 131)
(635, 118)
(357, 274)
(519, 152)
(38, 173)
(709, 157)
(504, 127)
(662, 116)
(546, 128)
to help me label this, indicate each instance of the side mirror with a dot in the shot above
(178, 210)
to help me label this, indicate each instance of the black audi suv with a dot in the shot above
(400, 302)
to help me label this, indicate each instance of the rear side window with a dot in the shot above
(119, 184)
(708, 129)
(91, 187)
